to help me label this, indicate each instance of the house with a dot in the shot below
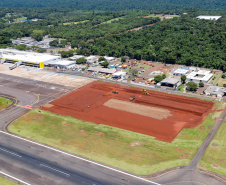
(215, 91)
(180, 72)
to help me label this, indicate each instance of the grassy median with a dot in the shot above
(4, 181)
(214, 158)
(4, 102)
(111, 145)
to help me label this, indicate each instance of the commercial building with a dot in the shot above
(62, 64)
(215, 91)
(27, 58)
(199, 76)
(29, 41)
(208, 17)
(102, 70)
(118, 74)
(170, 82)
(181, 72)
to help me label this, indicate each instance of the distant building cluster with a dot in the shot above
(29, 41)
(208, 17)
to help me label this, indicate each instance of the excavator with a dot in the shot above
(132, 98)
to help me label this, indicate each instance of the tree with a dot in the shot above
(133, 71)
(21, 47)
(37, 37)
(123, 59)
(65, 54)
(101, 59)
(164, 76)
(191, 86)
(81, 61)
(183, 79)
(158, 78)
(105, 64)
(201, 84)
(223, 76)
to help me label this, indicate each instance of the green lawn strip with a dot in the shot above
(4, 102)
(215, 153)
(181, 88)
(4, 181)
(111, 20)
(113, 147)
(220, 82)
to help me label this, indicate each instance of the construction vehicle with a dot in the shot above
(145, 92)
(115, 92)
(132, 98)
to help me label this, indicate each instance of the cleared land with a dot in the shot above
(130, 151)
(214, 158)
(4, 102)
(88, 102)
(143, 110)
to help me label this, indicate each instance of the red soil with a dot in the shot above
(87, 104)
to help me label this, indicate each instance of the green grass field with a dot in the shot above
(69, 23)
(4, 102)
(113, 147)
(20, 19)
(111, 20)
(215, 153)
(4, 181)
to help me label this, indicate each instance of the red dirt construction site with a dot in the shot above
(153, 113)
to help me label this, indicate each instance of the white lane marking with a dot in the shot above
(54, 169)
(14, 178)
(83, 159)
(10, 152)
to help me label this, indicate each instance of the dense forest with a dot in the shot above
(181, 40)
(118, 5)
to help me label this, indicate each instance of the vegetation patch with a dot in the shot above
(4, 181)
(4, 102)
(144, 157)
(214, 158)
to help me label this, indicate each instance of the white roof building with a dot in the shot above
(102, 70)
(118, 74)
(29, 57)
(180, 71)
(208, 17)
(216, 91)
(200, 76)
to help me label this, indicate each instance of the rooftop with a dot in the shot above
(170, 80)
(209, 17)
(102, 70)
(25, 56)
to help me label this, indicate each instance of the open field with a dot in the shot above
(214, 158)
(130, 151)
(4, 181)
(4, 102)
(115, 19)
(88, 102)
(221, 82)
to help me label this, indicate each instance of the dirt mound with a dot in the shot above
(183, 156)
(66, 125)
(202, 127)
(135, 143)
(214, 144)
(222, 160)
(82, 131)
(100, 133)
(216, 166)
(178, 149)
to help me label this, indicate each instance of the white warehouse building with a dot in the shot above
(27, 58)
(200, 76)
